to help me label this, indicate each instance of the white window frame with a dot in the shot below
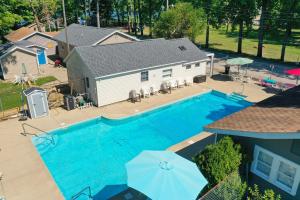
(197, 64)
(275, 169)
(188, 67)
(167, 75)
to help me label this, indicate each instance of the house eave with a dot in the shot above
(258, 135)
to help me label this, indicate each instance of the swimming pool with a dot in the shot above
(94, 152)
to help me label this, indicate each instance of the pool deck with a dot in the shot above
(25, 177)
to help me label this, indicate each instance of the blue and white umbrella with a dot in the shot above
(164, 175)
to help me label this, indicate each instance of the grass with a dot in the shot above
(10, 94)
(220, 40)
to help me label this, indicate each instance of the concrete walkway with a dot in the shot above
(25, 177)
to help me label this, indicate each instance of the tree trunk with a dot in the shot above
(150, 18)
(261, 30)
(140, 18)
(134, 16)
(128, 17)
(285, 41)
(240, 39)
(36, 19)
(207, 33)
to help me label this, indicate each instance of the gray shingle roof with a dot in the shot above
(79, 35)
(32, 89)
(6, 48)
(105, 60)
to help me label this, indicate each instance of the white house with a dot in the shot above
(109, 72)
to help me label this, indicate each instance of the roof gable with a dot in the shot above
(79, 35)
(25, 32)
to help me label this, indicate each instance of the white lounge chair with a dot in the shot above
(180, 82)
(153, 90)
(188, 81)
(173, 83)
(145, 92)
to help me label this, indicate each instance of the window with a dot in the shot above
(87, 82)
(144, 76)
(197, 65)
(296, 147)
(167, 73)
(188, 67)
(276, 170)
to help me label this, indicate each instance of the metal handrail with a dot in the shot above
(82, 192)
(25, 133)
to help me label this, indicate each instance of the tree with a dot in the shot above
(255, 194)
(241, 12)
(181, 21)
(219, 160)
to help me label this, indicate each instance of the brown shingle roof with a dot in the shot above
(16, 35)
(277, 114)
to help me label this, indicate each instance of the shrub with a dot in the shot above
(219, 160)
(255, 194)
(231, 188)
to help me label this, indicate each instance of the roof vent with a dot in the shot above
(182, 48)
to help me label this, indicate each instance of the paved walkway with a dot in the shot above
(25, 177)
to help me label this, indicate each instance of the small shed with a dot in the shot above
(37, 102)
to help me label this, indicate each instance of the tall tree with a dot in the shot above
(290, 12)
(181, 21)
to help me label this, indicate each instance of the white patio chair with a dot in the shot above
(32, 78)
(180, 82)
(154, 90)
(17, 79)
(145, 92)
(173, 83)
(188, 81)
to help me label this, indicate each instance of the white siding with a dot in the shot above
(115, 89)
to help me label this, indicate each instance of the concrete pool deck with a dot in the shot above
(26, 177)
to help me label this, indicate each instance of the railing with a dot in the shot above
(25, 133)
(83, 192)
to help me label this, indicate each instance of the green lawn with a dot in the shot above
(221, 40)
(10, 94)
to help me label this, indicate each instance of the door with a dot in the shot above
(41, 56)
(38, 104)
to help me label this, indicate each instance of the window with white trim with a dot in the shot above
(167, 73)
(144, 76)
(188, 66)
(197, 65)
(275, 169)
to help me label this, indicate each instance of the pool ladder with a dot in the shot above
(51, 139)
(85, 191)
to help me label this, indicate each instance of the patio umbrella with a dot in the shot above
(239, 61)
(294, 72)
(165, 175)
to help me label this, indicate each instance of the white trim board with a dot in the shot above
(267, 135)
(111, 34)
(35, 32)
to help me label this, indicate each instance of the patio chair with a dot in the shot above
(165, 88)
(173, 83)
(134, 96)
(32, 78)
(154, 90)
(180, 82)
(188, 81)
(17, 80)
(145, 91)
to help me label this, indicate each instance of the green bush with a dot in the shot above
(255, 194)
(217, 161)
(231, 189)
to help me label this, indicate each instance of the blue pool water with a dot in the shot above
(94, 152)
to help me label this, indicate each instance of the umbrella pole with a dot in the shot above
(297, 80)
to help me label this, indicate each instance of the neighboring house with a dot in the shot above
(79, 35)
(13, 55)
(109, 72)
(270, 132)
(38, 38)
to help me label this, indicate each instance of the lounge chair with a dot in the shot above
(145, 91)
(165, 88)
(180, 83)
(188, 81)
(17, 80)
(153, 90)
(32, 78)
(134, 96)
